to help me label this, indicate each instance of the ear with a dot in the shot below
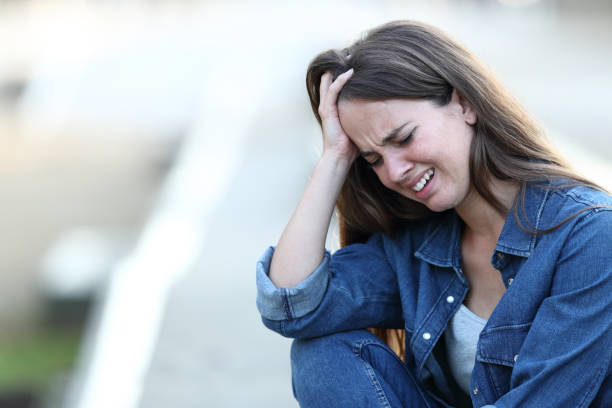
(467, 112)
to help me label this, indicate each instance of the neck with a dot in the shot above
(481, 218)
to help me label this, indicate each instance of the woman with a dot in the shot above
(469, 247)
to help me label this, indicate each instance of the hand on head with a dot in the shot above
(335, 140)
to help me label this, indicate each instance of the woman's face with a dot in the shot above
(416, 147)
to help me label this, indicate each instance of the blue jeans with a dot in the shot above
(352, 369)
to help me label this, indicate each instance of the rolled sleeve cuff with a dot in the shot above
(288, 303)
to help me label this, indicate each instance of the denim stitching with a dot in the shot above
(431, 346)
(593, 387)
(282, 328)
(358, 346)
(492, 381)
(505, 327)
(433, 309)
(380, 393)
(538, 219)
(286, 306)
(579, 199)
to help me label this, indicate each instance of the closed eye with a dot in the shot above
(374, 163)
(379, 161)
(407, 138)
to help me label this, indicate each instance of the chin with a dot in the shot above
(438, 207)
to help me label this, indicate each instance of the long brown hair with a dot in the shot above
(407, 59)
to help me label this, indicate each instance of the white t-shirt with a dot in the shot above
(461, 340)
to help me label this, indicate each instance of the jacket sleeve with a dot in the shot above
(356, 287)
(568, 351)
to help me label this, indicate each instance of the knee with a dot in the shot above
(305, 349)
(314, 360)
(317, 352)
(311, 355)
(318, 366)
(348, 368)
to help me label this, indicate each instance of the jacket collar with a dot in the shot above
(442, 246)
(515, 240)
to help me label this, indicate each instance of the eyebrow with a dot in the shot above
(390, 136)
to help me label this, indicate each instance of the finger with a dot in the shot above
(336, 86)
(341, 80)
(326, 80)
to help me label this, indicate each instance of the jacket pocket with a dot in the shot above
(498, 351)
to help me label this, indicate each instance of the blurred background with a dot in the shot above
(150, 150)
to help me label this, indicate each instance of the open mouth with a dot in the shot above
(424, 180)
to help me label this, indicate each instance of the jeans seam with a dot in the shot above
(286, 304)
(587, 394)
(378, 389)
(358, 347)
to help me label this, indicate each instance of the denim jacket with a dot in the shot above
(548, 342)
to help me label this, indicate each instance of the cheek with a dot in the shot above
(466, 148)
(381, 173)
(383, 177)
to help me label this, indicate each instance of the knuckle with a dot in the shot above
(323, 112)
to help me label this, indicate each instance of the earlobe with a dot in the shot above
(467, 111)
(470, 116)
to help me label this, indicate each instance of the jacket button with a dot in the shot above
(510, 281)
(450, 299)
(515, 357)
(426, 335)
(475, 390)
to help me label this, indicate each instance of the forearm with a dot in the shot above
(302, 244)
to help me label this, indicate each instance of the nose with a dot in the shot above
(398, 168)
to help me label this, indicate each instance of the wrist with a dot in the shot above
(339, 160)
(333, 169)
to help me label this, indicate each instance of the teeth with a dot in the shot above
(419, 186)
